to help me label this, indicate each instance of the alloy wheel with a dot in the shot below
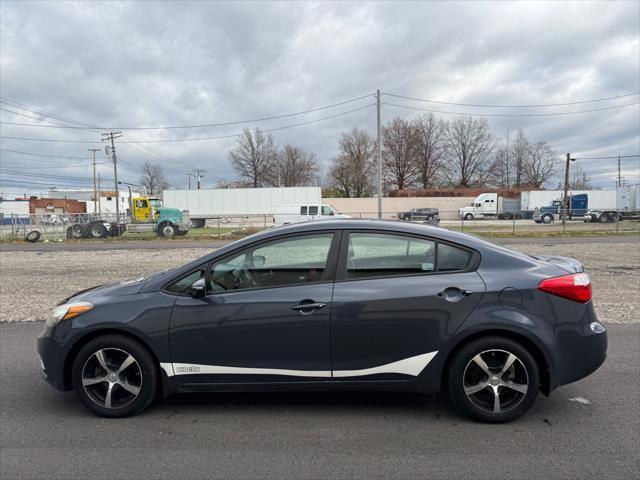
(495, 381)
(112, 378)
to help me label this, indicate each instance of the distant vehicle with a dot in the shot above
(420, 214)
(485, 205)
(333, 305)
(145, 215)
(286, 214)
(578, 209)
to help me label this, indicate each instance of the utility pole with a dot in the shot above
(112, 136)
(198, 175)
(189, 177)
(95, 198)
(507, 165)
(379, 156)
(619, 176)
(565, 199)
(100, 194)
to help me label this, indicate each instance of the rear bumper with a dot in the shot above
(577, 355)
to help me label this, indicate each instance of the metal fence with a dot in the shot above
(55, 227)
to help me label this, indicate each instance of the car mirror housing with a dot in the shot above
(198, 288)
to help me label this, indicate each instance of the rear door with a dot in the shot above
(396, 298)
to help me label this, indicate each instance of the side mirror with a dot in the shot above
(198, 288)
(258, 261)
(331, 212)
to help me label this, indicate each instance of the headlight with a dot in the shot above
(67, 311)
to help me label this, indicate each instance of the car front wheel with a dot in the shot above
(493, 379)
(114, 376)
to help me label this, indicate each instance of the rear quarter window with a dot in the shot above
(452, 258)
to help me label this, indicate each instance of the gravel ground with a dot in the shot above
(32, 282)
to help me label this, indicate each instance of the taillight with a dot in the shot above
(576, 287)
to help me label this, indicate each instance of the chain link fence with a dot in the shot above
(59, 227)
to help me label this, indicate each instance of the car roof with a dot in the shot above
(391, 226)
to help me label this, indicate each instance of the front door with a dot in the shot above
(265, 316)
(395, 299)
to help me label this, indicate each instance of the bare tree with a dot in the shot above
(519, 151)
(539, 164)
(295, 167)
(429, 136)
(499, 173)
(352, 172)
(579, 179)
(399, 153)
(469, 144)
(254, 157)
(153, 178)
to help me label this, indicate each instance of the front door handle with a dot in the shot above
(308, 308)
(454, 294)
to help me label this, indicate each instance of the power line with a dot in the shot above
(554, 114)
(217, 137)
(41, 154)
(63, 166)
(204, 125)
(607, 158)
(511, 106)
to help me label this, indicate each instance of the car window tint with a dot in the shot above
(182, 285)
(289, 261)
(313, 210)
(303, 210)
(452, 258)
(374, 255)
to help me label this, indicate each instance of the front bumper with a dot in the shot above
(52, 354)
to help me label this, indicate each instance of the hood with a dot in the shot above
(115, 289)
(570, 265)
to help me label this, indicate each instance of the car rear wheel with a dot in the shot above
(114, 376)
(493, 379)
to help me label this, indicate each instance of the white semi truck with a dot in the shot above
(489, 205)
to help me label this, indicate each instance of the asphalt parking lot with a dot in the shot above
(590, 429)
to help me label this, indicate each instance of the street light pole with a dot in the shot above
(565, 198)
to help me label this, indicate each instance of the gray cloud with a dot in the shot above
(172, 63)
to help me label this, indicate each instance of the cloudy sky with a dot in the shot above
(158, 64)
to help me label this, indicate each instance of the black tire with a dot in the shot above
(166, 230)
(78, 231)
(520, 402)
(147, 368)
(33, 236)
(468, 216)
(603, 218)
(547, 218)
(97, 230)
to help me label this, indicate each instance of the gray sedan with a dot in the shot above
(334, 305)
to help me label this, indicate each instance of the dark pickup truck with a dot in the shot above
(420, 214)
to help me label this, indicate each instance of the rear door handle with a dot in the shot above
(308, 308)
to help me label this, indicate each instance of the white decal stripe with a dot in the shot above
(408, 366)
(190, 369)
(168, 368)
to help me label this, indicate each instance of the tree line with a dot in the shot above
(422, 152)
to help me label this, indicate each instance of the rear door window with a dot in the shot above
(377, 254)
(452, 259)
(313, 210)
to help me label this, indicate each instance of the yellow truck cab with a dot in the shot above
(144, 209)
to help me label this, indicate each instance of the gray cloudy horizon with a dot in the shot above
(139, 63)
